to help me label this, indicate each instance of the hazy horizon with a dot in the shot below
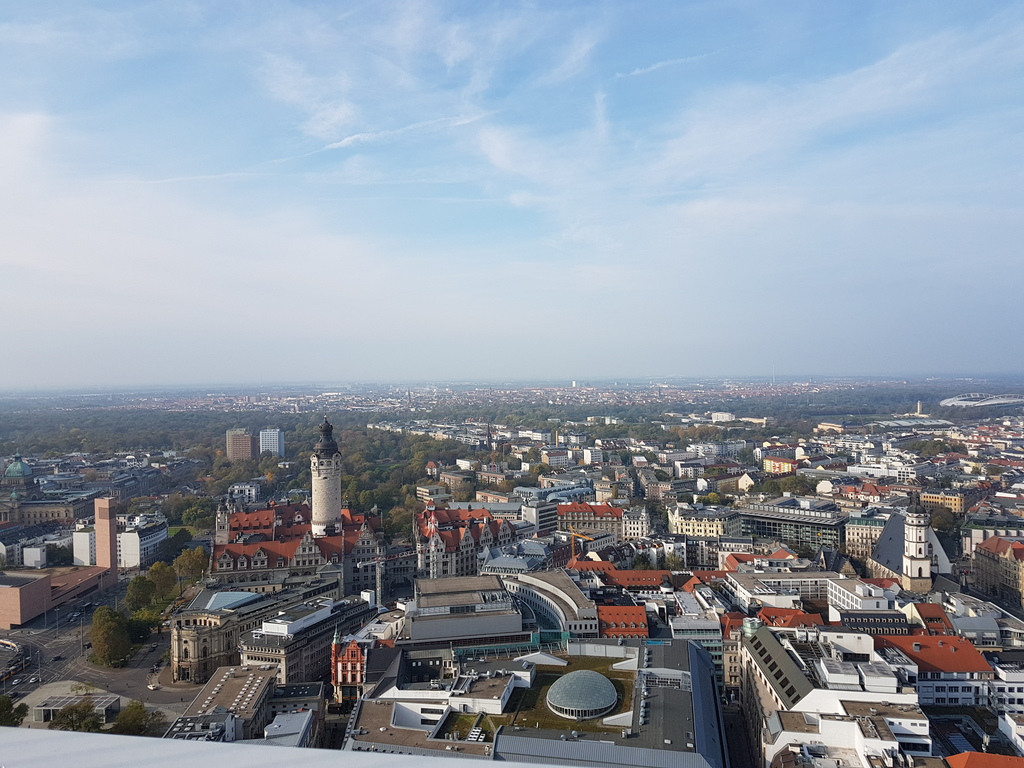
(445, 191)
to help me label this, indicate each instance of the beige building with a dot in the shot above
(704, 521)
(207, 638)
(592, 517)
(955, 501)
(863, 530)
(999, 569)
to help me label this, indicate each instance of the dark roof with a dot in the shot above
(888, 550)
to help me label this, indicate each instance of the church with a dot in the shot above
(909, 551)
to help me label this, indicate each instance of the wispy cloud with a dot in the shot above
(377, 137)
(662, 65)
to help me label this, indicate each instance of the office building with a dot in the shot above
(272, 440)
(241, 444)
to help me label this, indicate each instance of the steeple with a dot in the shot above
(326, 446)
(916, 575)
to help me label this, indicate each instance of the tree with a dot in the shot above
(140, 593)
(80, 716)
(109, 635)
(191, 564)
(674, 563)
(58, 556)
(943, 519)
(134, 720)
(12, 715)
(163, 578)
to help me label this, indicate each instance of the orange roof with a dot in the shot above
(583, 564)
(934, 618)
(997, 545)
(782, 554)
(984, 760)
(733, 561)
(638, 578)
(789, 617)
(597, 510)
(938, 653)
(622, 620)
(731, 621)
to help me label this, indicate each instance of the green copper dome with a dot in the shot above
(18, 468)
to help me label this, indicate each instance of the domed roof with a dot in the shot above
(18, 468)
(582, 690)
(326, 446)
(916, 507)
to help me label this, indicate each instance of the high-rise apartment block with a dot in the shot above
(241, 444)
(272, 439)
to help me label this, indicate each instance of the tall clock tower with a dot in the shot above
(325, 467)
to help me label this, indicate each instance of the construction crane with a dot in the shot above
(378, 562)
(573, 533)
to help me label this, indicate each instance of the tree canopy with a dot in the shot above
(135, 720)
(80, 716)
(12, 715)
(140, 593)
(191, 564)
(110, 636)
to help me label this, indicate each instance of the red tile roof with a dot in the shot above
(597, 510)
(732, 562)
(984, 760)
(997, 545)
(938, 653)
(622, 621)
(789, 617)
(934, 618)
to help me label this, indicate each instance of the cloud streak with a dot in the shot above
(662, 65)
(425, 126)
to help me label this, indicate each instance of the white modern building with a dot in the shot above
(272, 439)
(138, 540)
(856, 595)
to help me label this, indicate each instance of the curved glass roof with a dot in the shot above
(583, 689)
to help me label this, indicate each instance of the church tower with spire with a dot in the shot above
(916, 575)
(325, 468)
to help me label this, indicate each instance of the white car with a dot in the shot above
(16, 682)
(33, 679)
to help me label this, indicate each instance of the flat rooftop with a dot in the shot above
(236, 689)
(375, 719)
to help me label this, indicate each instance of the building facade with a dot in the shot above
(241, 444)
(272, 441)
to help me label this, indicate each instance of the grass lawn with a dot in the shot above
(527, 707)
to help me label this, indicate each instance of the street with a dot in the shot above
(57, 650)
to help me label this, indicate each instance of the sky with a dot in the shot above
(195, 192)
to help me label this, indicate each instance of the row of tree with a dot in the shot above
(113, 633)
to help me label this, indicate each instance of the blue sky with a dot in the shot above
(259, 192)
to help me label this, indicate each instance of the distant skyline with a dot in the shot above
(508, 191)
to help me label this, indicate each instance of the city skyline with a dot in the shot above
(306, 192)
